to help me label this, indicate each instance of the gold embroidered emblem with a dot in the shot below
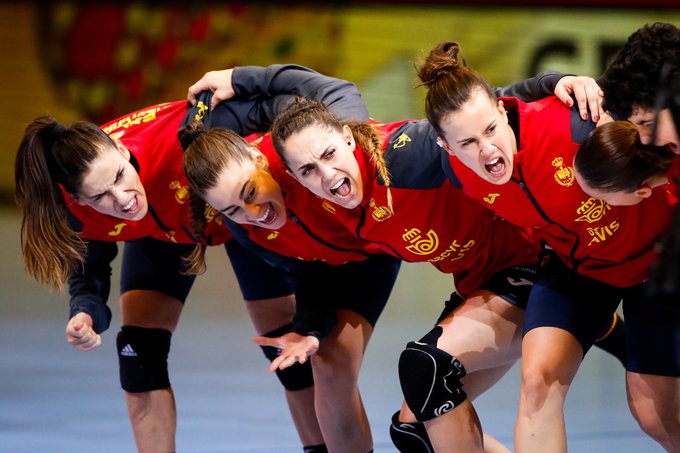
(455, 251)
(212, 214)
(379, 213)
(202, 108)
(273, 235)
(117, 229)
(420, 245)
(143, 116)
(563, 175)
(401, 141)
(258, 140)
(181, 192)
(171, 236)
(601, 234)
(491, 197)
(328, 207)
(592, 210)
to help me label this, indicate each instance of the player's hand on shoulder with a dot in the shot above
(587, 93)
(219, 82)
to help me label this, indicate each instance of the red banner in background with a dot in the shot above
(110, 58)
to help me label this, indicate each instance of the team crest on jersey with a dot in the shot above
(491, 198)
(181, 192)
(273, 235)
(171, 236)
(379, 213)
(117, 229)
(563, 175)
(212, 214)
(401, 141)
(420, 244)
(328, 207)
(592, 210)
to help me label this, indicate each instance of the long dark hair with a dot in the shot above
(51, 154)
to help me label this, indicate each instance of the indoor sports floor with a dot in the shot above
(58, 400)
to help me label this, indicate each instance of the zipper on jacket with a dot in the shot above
(544, 215)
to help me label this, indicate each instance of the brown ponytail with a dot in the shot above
(614, 159)
(49, 155)
(372, 144)
(196, 260)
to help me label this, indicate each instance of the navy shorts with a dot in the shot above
(652, 333)
(150, 264)
(513, 284)
(580, 305)
(364, 286)
(257, 278)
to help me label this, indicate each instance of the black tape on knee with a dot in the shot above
(143, 358)
(295, 377)
(409, 437)
(430, 380)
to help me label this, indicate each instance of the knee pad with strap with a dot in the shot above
(143, 358)
(409, 437)
(430, 378)
(296, 377)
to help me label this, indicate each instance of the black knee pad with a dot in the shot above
(296, 377)
(143, 358)
(409, 437)
(430, 378)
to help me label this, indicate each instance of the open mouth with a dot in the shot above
(341, 188)
(496, 166)
(131, 207)
(269, 215)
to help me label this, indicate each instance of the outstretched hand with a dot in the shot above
(295, 348)
(219, 82)
(80, 334)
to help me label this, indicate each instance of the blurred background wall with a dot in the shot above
(98, 60)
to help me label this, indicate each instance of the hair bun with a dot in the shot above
(441, 61)
(189, 133)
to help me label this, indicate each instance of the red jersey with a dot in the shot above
(430, 220)
(151, 136)
(613, 244)
(312, 231)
